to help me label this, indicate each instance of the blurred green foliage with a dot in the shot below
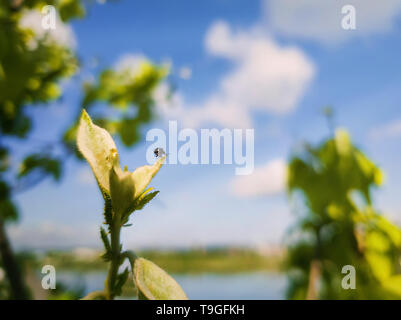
(31, 75)
(64, 292)
(337, 226)
(32, 66)
(129, 94)
(35, 161)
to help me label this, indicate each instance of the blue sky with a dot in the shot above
(355, 71)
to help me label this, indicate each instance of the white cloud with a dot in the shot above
(220, 111)
(321, 20)
(130, 62)
(265, 76)
(62, 35)
(185, 73)
(389, 130)
(264, 181)
(169, 105)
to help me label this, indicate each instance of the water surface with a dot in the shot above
(257, 285)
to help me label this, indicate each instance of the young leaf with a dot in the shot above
(122, 189)
(138, 204)
(39, 162)
(154, 283)
(105, 239)
(108, 210)
(126, 187)
(106, 256)
(143, 175)
(121, 279)
(142, 201)
(98, 148)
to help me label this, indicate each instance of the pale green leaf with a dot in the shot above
(393, 285)
(122, 190)
(143, 175)
(126, 187)
(154, 283)
(343, 142)
(98, 148)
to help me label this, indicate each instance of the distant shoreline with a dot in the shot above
(194, 261)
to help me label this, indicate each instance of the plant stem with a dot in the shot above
(115, 260)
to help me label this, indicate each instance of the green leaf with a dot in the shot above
(43, 163)
(121, 279)
(126, 187)
(70, 9)
(331, 185)
(105, 239)
(8, 211)
(122, 187)
(154, 283)
(142, 201)
(4, 159)
(98, 148)
(108, 210)
(4, 191)
(143, 175)
(129, 133)
(343, 142)
(106, 256)
(393, 285)
(122, 191)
